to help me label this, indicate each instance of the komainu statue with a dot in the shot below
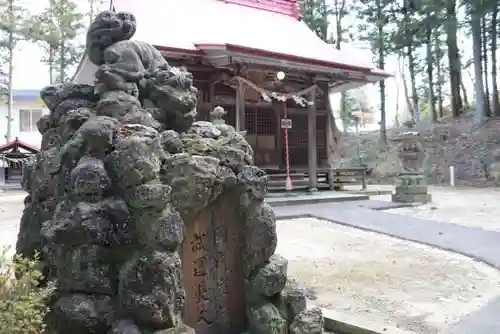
(148, 221)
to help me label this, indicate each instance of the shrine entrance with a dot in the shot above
(13, 156)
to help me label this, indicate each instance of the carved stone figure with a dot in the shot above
(217, 115)
(149, 221)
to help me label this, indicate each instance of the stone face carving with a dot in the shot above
(151, 222)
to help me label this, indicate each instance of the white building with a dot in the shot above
(27, 109)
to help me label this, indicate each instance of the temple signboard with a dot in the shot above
(213, 272)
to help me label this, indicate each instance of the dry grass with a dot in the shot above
(454, 142)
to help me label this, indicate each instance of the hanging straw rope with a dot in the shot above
(268, 95)
(14, 161)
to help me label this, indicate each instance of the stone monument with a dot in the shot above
(148, 221)
(411, 185)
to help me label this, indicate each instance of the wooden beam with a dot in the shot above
(304, 75)
(211, 94)
(277, 107)
(240, 107)
(311, 142)
(329, 143)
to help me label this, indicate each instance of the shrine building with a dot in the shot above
(259, 61)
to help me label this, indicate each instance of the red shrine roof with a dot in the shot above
(286, 7)
(15, 146)
(267, 32)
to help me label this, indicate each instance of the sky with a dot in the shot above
(31, 73)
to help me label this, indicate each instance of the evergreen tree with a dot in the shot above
(377, 16)
(56, 29)
(315, 14)
(493, 29)
(12, 30)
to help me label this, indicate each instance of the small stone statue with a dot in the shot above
(217, 115)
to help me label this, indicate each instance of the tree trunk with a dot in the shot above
(414, 93)
(10, 87)
(324, 13)
(396, 117)
(484, 44)
(62, 63)
(91, 11)
(439, 73)
(51, 65)
(478, 68)
(339, 8)
(407, 93)
(466, 103)
(494, 85)
(413, 107)
(430, 75)
(10, 47)
(52, 51)
(381, 65)
(451, 28)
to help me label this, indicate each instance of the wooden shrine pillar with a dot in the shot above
(331, 128)
(240, 107)
(311, 142)
(277, 108)
(330, 138)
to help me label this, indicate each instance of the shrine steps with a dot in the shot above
(291, 198)
(300, 181)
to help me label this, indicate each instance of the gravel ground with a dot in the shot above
(11, 207)
(471, 207)
(383, 279)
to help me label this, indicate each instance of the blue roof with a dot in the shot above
(26, 94)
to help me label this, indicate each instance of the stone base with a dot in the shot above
(411, 179)
(412, 190)
(411, 198)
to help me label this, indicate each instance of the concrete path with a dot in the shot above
(478, 244)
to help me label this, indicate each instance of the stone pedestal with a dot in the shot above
(411, 188)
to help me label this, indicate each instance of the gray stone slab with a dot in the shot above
(317, 198)
(478, 244)
(411, 198)
(11, 187)
(383, 205)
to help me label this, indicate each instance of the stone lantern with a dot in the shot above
(411, 185)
